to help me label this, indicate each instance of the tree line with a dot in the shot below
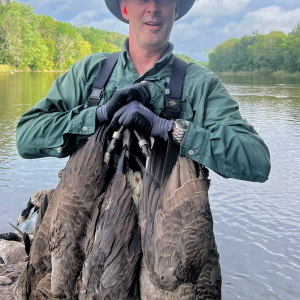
(39, 42)
(271, 52)
(30, 41)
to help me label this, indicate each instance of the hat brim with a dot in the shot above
(114, 7)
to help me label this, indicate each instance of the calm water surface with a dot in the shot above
(257, 226)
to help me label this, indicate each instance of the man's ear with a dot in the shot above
(177, 8)
(123, 8)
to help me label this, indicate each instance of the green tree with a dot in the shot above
(64, 51)
(271, 52)
(11, 29)
(101, 40)
(220, 58)
(188, 59)
(268, 52)
(292, 54)
(82, 47)
(21, 44)
(241, 54)
(296, 31)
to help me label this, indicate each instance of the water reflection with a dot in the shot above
(20, 178)
(257, 225)
(258, 228)
(260, 80)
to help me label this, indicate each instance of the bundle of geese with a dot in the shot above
(127, 221)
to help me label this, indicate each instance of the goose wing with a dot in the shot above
(180, 258)
(110, 269)
(82, 182)
(57, 252)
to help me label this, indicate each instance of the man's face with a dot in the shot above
(150, 21)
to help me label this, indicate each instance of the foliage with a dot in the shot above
(102, 40)
(39, 42)
(271, 52)
(188, 59)
(19, 37)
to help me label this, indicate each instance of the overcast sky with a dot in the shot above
(209, 22)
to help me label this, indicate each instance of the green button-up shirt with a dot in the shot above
(217, 137)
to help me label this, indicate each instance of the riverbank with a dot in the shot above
(260, 73)
(10, 69)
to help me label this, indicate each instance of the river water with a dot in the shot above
(257, 226)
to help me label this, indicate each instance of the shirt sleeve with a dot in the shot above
(59, 122)
(220, 139)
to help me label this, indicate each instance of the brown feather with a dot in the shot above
(82, 181)
(9, 274)
(110, 269)
(58, 245)
(44, 203)
(180, 258)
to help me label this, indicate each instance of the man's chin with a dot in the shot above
(155, 42)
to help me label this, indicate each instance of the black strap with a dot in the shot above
(173, 100)
(102, 79)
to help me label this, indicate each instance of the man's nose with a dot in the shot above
(153, 6)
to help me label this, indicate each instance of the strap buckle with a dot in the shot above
(95, 97)
(174, 90)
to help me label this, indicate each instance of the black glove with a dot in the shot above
(136, 116)
(139, 91)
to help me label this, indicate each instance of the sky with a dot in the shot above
(208, 23)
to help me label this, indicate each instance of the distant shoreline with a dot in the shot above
(9, 69)
(259, 73)
(46, 71)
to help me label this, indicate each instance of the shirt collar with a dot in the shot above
(125, 57)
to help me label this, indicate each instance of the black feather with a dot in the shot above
(25, 238)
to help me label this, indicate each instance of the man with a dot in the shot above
(215, 135)
(209, 129)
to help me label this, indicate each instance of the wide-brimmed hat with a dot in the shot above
(114, 8)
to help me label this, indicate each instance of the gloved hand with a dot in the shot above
(138, 117)
(139, 91)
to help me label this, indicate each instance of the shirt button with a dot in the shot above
(84, 128)
(191, 152)
(59, 150)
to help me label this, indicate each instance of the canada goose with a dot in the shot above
(57, 252)
(68, 222)
(14, 256)
(12, 252)
(109, 271)
(180, 258)
(24, 214)
(94, 238)
(35, 201)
